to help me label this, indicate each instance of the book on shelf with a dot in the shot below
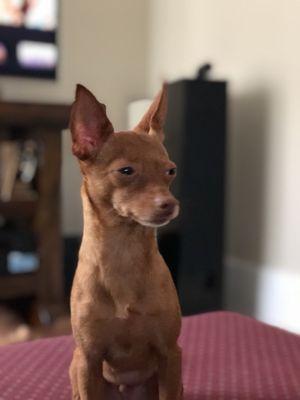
(18, 168)
(9, 166)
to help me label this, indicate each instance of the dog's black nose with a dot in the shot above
(167, 205)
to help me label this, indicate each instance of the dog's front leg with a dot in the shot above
(87, 380)
(169, 376)
(73, 375)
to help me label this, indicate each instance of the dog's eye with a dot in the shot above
(126, 171)
(171, 171)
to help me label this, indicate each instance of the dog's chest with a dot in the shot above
(132, 341)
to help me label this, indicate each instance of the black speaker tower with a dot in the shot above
(193, 244)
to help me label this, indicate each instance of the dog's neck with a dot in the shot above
(114, 242)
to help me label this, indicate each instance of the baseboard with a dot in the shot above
(264, 292)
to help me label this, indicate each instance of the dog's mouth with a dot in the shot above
(153, 223)
(158, 220)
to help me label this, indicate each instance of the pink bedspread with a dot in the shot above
(225, 357)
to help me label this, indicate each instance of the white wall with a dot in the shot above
(102, 45)
(252, 44)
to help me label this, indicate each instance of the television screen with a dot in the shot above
(28, 37)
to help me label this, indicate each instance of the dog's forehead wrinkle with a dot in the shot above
(129, 147)
(132, 141)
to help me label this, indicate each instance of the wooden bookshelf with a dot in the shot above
(21, 285)
(18, 208)
(44, 124)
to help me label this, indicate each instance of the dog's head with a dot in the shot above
(129, 172)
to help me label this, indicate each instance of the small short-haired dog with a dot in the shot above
(125, 310)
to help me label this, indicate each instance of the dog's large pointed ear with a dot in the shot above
(154, 119)
(89, 125)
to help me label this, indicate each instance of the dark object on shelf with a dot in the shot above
(17, 250)
(195, 139)
(29, 161)
(39, 126)
(203, 72)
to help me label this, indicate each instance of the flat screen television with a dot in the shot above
(28, 44)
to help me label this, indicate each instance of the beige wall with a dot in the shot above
(253, 44)
(102, 45)
(109, 45)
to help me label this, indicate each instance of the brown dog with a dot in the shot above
(125, 310)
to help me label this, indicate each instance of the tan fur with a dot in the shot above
(124, 306)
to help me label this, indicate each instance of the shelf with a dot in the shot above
(39, 214)
(31, 115)
(21, 285)
(18, 208)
